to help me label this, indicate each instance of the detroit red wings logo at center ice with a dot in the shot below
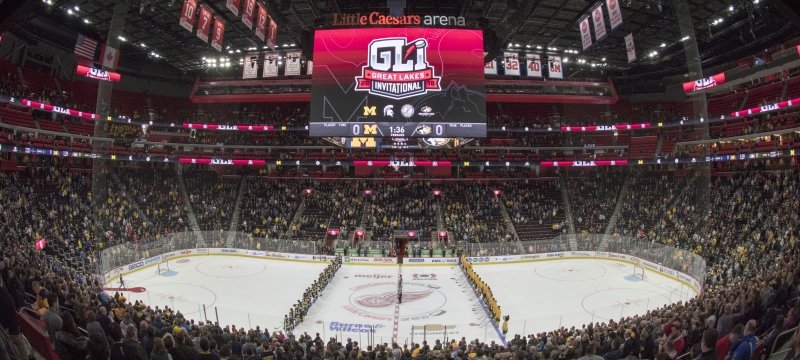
(389, 298)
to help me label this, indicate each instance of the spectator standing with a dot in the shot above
(745, 348)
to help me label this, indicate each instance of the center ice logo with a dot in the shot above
(376, 301)
(389, 298)
(397, 69)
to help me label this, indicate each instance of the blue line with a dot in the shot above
(485, 309)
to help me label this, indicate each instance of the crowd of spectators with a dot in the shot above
(749, 237)
(536, 210)
(472, 213)
(592, 198)
(330, 204)
(649, 197)
(211, 196)
(268, 206)
(403, 206)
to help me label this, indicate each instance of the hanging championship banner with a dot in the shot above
(187, 14)
(261, 22)
(614, 13)
(218, 34)
(204, 24)
(511, 63)
(630, 48)
(233, 6)
(292, 62)
(599, 22)
(490, 68)
(556, 71)
(310, 67)
(586, 35)
(250, 66)
(272, 38)
(271, 64)
(249, 11)
(534, 64)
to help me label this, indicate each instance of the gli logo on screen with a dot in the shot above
(398, 69)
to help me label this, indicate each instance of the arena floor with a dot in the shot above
(437, 302)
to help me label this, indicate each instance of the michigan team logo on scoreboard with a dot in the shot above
(398, 69)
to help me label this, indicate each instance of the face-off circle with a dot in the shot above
(376, 301)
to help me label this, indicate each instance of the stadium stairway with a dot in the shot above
(296, 218)
(439, 218)
(510, 225)
(236, 210)
(562, 182)
(740, 105)
(785, 88)
(659, 143)
(612, 222)
(189, 210)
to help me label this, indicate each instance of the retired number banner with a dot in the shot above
(233, 6)
(261, 22)
(599, 22)
(187, 14)
(534, 64)
(630, 48)
(511, 63)
(614, 13)
(556, 71)
(218, 34)
(250, 66)
(249, 11)
(271, 64)
(292, 62)
(586, 34)
(490, 68)
(204, 25)
(272, 38)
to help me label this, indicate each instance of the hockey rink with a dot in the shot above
(437, 304)
(243, 291)
(545, 295)
(361, 301)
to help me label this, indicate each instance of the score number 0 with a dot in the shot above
(372, 129)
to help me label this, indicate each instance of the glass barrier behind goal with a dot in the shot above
(124, 254)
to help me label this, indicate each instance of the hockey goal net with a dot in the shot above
(638, 272)
(163, 266)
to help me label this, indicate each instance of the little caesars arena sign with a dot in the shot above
(378, 19)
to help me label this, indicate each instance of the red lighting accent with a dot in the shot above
(437, 192)
(368, 192)
(308, 191)
(442, 233)
(360, 232)
(40, 244)
(412, 234)
(98, 74)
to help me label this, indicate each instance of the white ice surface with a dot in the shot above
(544, 295)
(539, 296)
(246, 292)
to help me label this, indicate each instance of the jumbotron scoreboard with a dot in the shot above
(398, 82)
